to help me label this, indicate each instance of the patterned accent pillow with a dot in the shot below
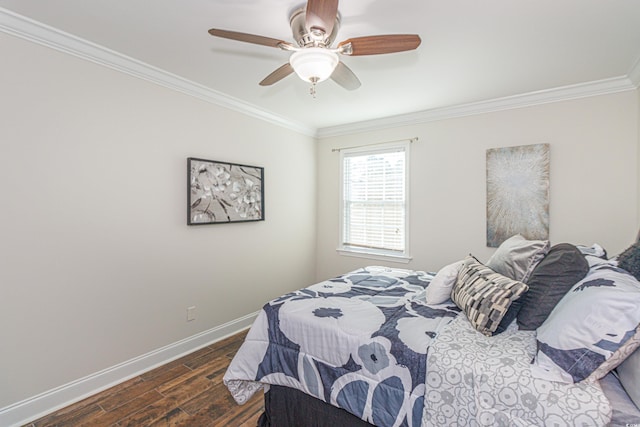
(484, 295)
(588, 326)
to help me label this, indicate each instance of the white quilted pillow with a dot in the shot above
(439, 290)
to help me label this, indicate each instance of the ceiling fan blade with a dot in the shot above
(277, 75)
(321, 15)
(376, 45)
(345, 77)
(248, 38)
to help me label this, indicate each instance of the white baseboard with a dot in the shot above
(31, 409)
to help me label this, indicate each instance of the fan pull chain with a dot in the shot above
(312, 90)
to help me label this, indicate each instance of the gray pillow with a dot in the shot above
(516, 257)
(629, 374)
(551, 279)
(629, 260)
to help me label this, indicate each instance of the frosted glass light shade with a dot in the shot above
(314, 64)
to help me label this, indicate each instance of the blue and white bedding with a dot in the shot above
(358, 341)
(367, 342)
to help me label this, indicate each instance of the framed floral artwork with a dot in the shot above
(220, 192)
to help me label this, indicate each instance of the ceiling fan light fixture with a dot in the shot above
(314, 64)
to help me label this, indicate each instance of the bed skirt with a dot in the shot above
(288, 407)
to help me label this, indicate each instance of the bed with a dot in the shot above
(461, 346)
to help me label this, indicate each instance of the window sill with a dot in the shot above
(404, 259)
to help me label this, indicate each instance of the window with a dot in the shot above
(374, 204)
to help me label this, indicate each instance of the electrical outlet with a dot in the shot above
(191, 313)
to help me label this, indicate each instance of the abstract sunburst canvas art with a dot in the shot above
(517, 193)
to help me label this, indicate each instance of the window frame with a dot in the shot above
(373, 253)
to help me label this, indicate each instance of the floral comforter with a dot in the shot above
(358, 341)
(474, 380)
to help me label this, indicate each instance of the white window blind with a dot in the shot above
(374, 201)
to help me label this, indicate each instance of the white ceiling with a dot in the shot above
(471, 51)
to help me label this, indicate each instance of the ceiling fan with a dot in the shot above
(314, 28)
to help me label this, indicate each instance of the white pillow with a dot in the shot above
(439, 290)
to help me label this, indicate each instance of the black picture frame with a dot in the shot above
(223, 192)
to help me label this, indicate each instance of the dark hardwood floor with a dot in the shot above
(186, 392)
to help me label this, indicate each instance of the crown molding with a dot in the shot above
(582, 90)
(634, 74)
(37, 32)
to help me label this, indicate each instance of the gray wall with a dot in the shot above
(98, 265)
(593, 189)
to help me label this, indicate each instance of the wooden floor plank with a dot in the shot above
(173, 418)
(123, 412)
(69, 417)
(214, 401)
(187, 392)
(150, 414)
(188, 389)
(167, 373)
(77, 410)
(199, 420)
(250, 412)
(201, 372)
(184, 360)
(221, 352)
